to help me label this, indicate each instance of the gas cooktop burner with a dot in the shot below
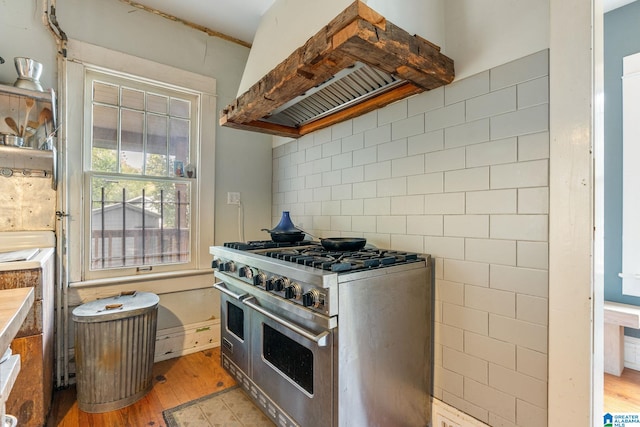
(334, 261)
(265, 244)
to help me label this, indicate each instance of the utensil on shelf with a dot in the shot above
(12, 124)
(29, 103)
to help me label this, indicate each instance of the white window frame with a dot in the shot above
(630, 176)
(82, 57)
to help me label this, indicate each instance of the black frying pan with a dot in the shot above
(343, 243)
(340, 243)
(285, 236)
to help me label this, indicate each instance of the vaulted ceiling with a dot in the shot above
(239, 19)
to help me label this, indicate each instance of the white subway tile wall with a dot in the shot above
(461, 173)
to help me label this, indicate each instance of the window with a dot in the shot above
(631, 178)
(137, 170)
(139, 191)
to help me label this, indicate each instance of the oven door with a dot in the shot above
(293, 365)
(235, 327)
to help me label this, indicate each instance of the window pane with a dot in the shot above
(179, 135)
(180, 108)
(132, 98)
(156, 145)
(139, 222)
(132, 131)
(105, 93)
(104, 139)
(157, 103)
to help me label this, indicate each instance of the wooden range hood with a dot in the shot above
(359, 45)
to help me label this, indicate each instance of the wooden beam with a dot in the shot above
(357, 34)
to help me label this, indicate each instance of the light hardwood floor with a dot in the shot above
(180, 380)
(622, 394)
(175, 381)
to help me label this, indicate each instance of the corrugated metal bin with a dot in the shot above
(115, 342)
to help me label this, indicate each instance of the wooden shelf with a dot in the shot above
(14, 306)
(37, 95)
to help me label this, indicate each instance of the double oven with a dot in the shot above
(319, 338)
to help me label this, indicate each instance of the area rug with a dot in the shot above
(228, 408)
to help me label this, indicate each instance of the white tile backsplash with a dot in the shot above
(392, 150)
(445, 160)
(466, 134)
(493, 153)
(450, 203)
(533, 147)
(365, 156)
(364, 190)
(425, 225)
(406, 166)
(353, 142)
(468, 88)
(342, 161)
(465, 318)
(425, 183)
(492, 202)
(392, 187)
(426, 142)
(521, 122)
(353, 175)
(460, 172)
(365, 122)
(444, 247)
(426, 101)
(465, 364)
(410, 126)
(489, 349)
(492, 104)
(445, 117)
(474, 179)
(407, 205)
(392, 112)
(466, 225)
(377, 135)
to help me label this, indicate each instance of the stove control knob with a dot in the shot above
(270, 284)
(280, 284)
(227, 266)
(293, 291)
(215, 263)
(246, 272)
(311, 298)
(260, 279)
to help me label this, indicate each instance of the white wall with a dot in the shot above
(461, 173)
(242, 160)
(481, 35)
(281, 30)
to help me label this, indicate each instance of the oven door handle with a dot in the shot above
(320, 339)
(220, 286)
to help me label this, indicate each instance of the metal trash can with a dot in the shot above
(114, 347)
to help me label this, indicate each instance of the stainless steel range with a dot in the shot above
(321, 338)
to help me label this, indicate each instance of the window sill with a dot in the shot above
(140, 278)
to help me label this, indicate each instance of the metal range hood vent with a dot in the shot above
(348, 87)
(355, 64)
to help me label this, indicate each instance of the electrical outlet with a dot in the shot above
(441, 421)
(233, 198)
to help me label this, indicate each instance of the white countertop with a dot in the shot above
(37, 261)
(14, 306)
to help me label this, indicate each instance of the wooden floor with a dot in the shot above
(622, 394)
(175, 381)
(180, 380)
